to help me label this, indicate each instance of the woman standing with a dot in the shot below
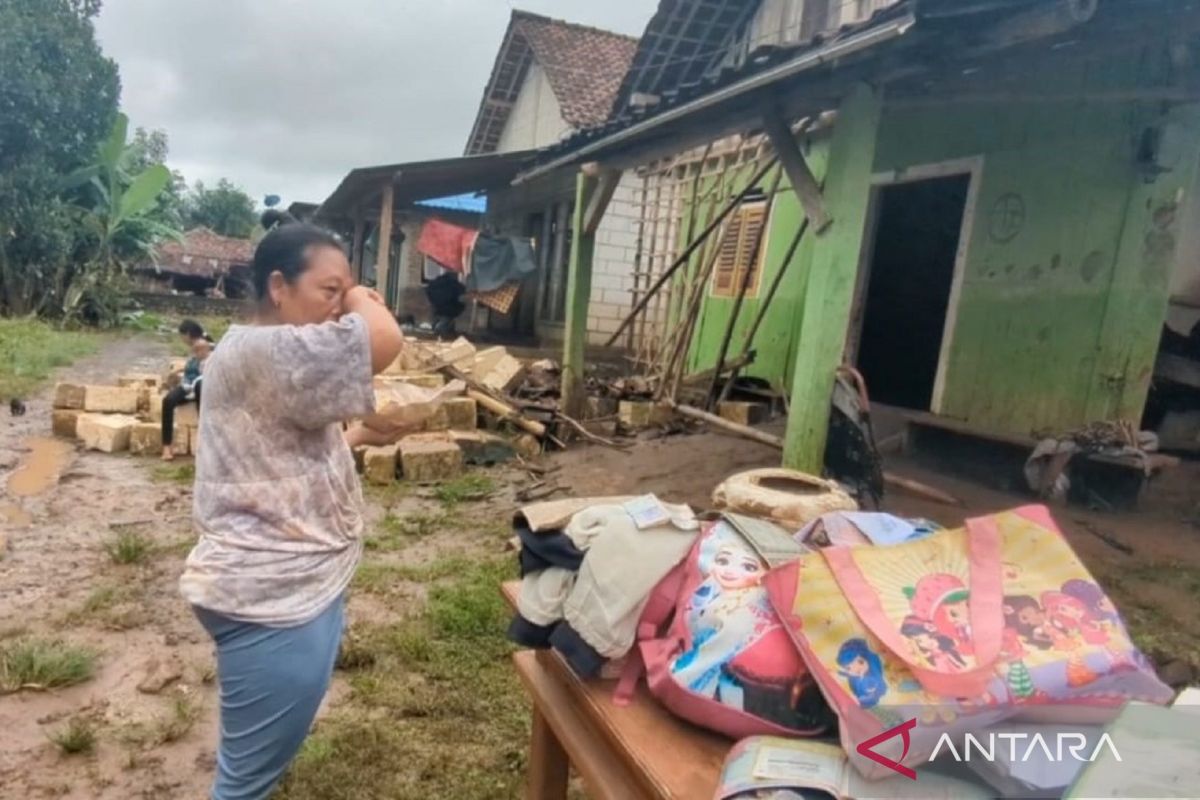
(277, 501)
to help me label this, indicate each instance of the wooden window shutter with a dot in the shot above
(736, 249)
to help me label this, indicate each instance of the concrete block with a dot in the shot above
(63, 422)
(108, 433)
(639, 414)
(743, 413)
(69, 396)
(186, 415)
(140, 379)
(482, 448)
(430, 459)
(145, 439)
(379, 464)
(462, 413)
(440, 421)
(111, 399)
(154, 413)
(431, 380)
(194, 440)
(527, 446)
(497, 370)
(598, 407)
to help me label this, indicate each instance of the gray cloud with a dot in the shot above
(285, 96)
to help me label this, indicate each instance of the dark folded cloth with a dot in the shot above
(546, 549)
(525, 633)
(580, 656)
(497, 260)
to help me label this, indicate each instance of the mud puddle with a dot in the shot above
(41, 468)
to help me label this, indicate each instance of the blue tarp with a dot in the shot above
(472, 203)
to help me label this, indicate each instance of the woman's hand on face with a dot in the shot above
(358, 296)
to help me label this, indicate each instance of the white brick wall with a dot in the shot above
(614, 259)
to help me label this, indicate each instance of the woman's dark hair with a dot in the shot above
(286, 247)
(192, 329)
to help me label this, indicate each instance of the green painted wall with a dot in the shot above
(1058, 318)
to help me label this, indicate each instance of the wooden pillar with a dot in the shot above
(356, 246)
(833, 272)
(579, 295)
(1139, 290)
(383, 252)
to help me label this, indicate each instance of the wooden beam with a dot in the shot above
(600, 199)
(799, 175)
(384, 249)
(829, 290)
(356, 245)
(683, 257)
(579, 295)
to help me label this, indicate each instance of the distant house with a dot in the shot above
(203, 263)
(551, 79)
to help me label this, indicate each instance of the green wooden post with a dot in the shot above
(1139, 288)
(829, 295)
(579, 294)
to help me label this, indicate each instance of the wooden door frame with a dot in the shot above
(971, 166)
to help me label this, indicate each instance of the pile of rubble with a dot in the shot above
(126, 417)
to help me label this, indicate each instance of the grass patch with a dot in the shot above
(1163, 629)
(182, 474)
(30, 350)
(387, 496)
(118, 607)
(32, 663)
(395, 531)
(471, 487)
(77, 737)
(438, 712)
(166, 728)
(129, 546)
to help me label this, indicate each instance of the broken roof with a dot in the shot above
(584, 66)
(204, 253)
(904, 44)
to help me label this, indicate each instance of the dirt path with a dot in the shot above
(57, 581)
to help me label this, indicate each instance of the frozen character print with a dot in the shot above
(1075, 631)
(863, 671)
(928, 645)
(1105, 616)
(942, 599)
(727, 613)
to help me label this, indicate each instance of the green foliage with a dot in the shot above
(128, 547)
(30, 350)
(468, 488)
(226, 209)
(43, 664)
(77, 737)
(58, 100)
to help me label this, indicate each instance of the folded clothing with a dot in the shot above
(590, 613)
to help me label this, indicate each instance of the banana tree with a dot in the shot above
(117, 210)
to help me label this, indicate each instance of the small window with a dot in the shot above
(737, 247)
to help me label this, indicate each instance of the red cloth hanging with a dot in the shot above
(446, 243)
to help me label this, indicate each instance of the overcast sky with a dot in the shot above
(286, 96)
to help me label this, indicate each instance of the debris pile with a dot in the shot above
(125, 417)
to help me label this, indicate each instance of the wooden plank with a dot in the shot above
(579, 295)
(549, 769)
(600, 199)
(606, 777)
(356, 246)
(692, 246)
(801, 177)
(384, 250)
(829, 292)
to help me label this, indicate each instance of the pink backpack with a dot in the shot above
(713, 649)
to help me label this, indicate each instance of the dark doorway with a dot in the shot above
(907, 296)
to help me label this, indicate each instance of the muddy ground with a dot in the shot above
(57, 580)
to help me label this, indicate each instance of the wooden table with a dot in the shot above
(620, 752)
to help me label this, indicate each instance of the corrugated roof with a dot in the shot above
(584, 66)
(204, 253)
(421, 180)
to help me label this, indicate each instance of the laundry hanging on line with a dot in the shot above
(446, 243)
(497, 260)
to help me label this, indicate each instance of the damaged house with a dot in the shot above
(978, 205)
(203, 263)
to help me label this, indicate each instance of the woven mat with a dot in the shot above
(501, 299)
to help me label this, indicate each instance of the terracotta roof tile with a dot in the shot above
(585, 66)
(204, 253)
